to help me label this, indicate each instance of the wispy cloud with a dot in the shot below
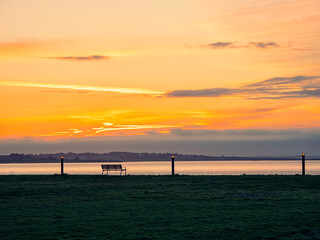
(283, 80)
(70, 131)
(112, 127)
(273, 88)
(307, 93)
(210, 92)
(220, 44)
(64, 91)
(264, 44)
(83, 58)
(81, 87)
(261, 45)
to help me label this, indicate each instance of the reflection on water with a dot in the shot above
(164, 168)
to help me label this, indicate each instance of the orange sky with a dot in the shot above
(80, 68)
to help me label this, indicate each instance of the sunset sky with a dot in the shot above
(190, 76)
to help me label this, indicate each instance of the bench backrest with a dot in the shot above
(111, 167)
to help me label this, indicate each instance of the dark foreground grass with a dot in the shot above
(160, 207)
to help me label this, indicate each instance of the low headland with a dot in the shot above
(133, 157)
(159, 207)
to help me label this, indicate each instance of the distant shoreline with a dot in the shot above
(125, 161)
(89, 157)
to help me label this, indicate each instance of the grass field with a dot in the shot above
(160, 207)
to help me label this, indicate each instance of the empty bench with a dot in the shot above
(113, 167)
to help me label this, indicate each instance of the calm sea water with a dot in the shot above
(164, 168)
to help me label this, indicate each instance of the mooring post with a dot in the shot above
(172, 165)
(61, 166)
(303, 164)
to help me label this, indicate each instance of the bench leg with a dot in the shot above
(102, 172)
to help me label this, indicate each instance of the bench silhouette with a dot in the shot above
(113, 167)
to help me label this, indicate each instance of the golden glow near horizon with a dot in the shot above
(119, 68)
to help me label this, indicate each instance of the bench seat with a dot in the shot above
(113, 167)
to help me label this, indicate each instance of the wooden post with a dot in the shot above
(303, 164)
(172, 165)
(61, 166)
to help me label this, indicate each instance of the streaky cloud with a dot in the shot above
(82, 87)
(261, 45)
(273, 88)
(264, 44)
(282, 80)
(112, 127)
(83, 58)
(210, 92)
(220, 44)
(308, 93)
